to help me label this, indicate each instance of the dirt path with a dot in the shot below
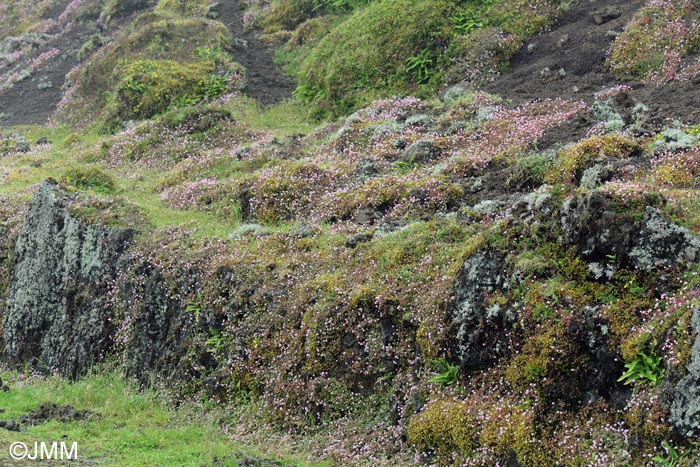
(578, 44)
(266, 83)
(33, 100)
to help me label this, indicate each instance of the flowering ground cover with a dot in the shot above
(503, 271)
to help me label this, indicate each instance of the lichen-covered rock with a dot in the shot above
(685, 405)
(661, 243)
(598, 231)
(595, 229)
(420, 151)
(155, 341)
(481, 331)
(58, 312)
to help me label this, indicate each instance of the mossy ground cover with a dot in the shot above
(339, 66)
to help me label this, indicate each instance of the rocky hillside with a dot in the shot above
(468, 234)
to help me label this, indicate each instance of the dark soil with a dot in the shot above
(266, 83)
(45, 413)
(247, 461)
(577, 44)
(25, 103)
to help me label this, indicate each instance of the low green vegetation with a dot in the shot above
(646, 367)
(20, 17)
(656, 44)
(124, 426)
(157, 62)
(374, 52)
(319, 276)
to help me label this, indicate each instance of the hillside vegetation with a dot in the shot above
(470, 236)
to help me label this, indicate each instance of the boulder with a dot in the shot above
(606, 14)
(480, 331)
(598, 231)
(58, 312)
(421, 151)
(685, 405)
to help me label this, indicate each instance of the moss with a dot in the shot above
(530, 264)
(149, 87)
(655, 41)
(446, 427)
(478, 57)
(548, 363)
(184, 8)
(375, 52)
(529, 171)
(510, 431)
(393, 194)
(286, 14)
(111, 212)
(119, 8)
(150, 43)
(572, 161)
(281, 192)
(89, 178)
(198, 118)
(302, 42)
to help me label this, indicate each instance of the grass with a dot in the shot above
(22, 171)
(127, 427)
(289, 117)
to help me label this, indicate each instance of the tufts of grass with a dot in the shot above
(89, 178)
(154, 62)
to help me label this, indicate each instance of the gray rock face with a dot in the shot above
(685, 406)
(420, 151)
(661, 243)
(606, 14)
(598, 231)
(58, 314)
(158, 339)
(480, 331)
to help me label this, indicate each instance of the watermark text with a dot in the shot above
(44, 451)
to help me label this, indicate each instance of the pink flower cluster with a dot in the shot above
(43, 58)
(656, 41)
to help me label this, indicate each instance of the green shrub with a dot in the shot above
(88, 178)
(149, 87)
(369, 52)
(446, 427)
(148, 40)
